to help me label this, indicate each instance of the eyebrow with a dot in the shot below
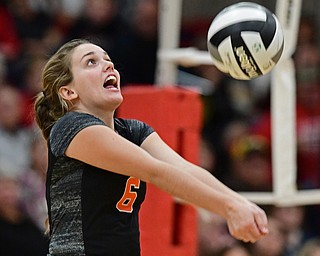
(87, 54)
(90, 53)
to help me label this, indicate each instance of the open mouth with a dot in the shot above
(110, 82)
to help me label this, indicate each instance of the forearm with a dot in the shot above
(187, 187)
(159, 150)
(207, 178)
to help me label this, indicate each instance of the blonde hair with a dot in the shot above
(49, 106)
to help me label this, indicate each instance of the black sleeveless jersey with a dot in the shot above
(92, 211)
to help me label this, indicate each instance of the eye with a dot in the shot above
(91, 62)
(108, 60)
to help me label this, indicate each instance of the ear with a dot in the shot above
(67, 93)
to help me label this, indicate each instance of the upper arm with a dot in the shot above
(100, 146)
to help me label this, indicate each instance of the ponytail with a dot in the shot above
(48, 112)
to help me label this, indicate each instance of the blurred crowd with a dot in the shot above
(236, 135)
(30, 31)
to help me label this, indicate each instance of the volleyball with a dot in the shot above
(245, 40)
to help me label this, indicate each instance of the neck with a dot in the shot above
(108, 121)
(106, 117)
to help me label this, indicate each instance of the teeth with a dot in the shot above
(109, 78)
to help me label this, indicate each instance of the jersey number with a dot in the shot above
(126, 202)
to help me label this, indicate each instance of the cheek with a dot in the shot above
(87, 77)
(85, 81)
(118, 75)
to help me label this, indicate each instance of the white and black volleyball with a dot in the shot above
(245, 40)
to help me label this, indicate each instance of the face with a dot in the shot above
(9, 193)
(10, 108)
(100, 11)
(96, 84)
(274, 243)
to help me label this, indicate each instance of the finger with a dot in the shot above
(248, 233)
(253, 233)
(262, 223)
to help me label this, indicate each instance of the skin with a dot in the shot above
(154, 162)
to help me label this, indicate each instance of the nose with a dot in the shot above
(108, 65)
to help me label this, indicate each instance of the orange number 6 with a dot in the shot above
(126, 202)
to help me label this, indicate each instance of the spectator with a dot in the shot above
(9, 39)
(64, 15)
(137, 49)
(213, 234)
(223, 114)
(101, 22)
(250, 164)
(236, 250)
(307, 62)
(233, 131)
(31, 85)
(15, 139)
(273, 244)
(307, 55)
(18, 234)
(31, 25)
(308, 135)
(295, 232)
(207, 157)
(33, 183)
(311, 248)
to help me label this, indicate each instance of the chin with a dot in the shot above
(117, 101)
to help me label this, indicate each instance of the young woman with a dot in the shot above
(99, 165)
